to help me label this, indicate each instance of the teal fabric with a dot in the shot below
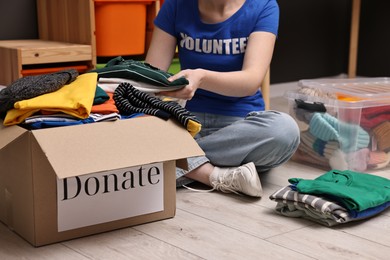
(355, 190)
(100, 96)
(139, 71)
(351, 137)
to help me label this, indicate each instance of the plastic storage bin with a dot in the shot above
(120, 27)
(344, 123)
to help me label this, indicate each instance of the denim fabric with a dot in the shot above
(266, 138)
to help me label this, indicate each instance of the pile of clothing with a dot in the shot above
(334, 198)
(120, 90)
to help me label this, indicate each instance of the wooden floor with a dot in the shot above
(223, 226)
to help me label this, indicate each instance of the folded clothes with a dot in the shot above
(74, 99)
(353, 190)
(33, 86)
(93, 118)
(291, 203)
(57, 117)
(294, 204)
(141, 72)
(110, 84)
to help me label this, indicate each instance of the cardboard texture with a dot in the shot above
(32, 162)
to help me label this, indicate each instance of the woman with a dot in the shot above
(225, 48)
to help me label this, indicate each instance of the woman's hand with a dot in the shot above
(194, 78)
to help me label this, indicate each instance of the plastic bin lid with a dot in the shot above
(365, 88)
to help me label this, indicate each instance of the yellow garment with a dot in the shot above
(74, 99)
(193, 127)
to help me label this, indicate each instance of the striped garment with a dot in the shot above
(319, 209)
(294, 204)
(130, 100)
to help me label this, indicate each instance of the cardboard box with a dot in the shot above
(343, 122)
(36, 165)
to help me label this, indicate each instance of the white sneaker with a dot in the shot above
(243, 179)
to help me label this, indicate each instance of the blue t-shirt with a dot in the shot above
(217, 47)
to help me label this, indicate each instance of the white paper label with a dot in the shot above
(102, 197)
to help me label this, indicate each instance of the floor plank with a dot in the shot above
(325, 243)
(126, 243)
(211, 240)
(375, 229)
(13, 247)
(236, 212)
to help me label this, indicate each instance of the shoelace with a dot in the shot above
(231, 184)
(198, 190)
(228, 182)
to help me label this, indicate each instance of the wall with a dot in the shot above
(18, 19)
(313, 39)
(374, 40)
(313, 36)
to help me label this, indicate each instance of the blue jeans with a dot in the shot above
(266, 138)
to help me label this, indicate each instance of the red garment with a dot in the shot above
(373, 116)
(107, 107)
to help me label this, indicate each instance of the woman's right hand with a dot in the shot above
(194, 78)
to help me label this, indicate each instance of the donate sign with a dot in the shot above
(102, 197)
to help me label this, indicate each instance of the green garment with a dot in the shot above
(355, 190)
(139, 71)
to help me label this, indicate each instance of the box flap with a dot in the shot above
(9, 133)
(97, 147)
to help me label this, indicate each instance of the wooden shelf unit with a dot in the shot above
(66, 39)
